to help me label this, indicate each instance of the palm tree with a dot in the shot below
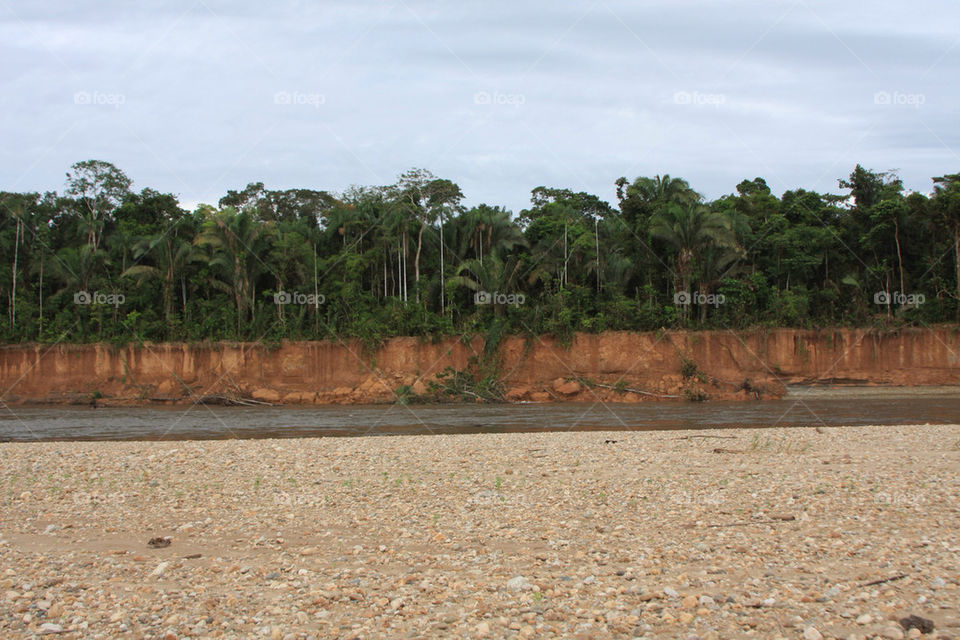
(170, 254)
(690, 230)
(237, 241)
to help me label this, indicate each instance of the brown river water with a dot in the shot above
(800, 407)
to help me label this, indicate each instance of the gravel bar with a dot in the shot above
(735, 533)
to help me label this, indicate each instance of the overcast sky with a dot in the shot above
(196, 98)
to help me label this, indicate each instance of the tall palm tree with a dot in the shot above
(690, 230)
(170, 254)
(237, 240)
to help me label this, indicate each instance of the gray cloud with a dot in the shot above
(200, 97)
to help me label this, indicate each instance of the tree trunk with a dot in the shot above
(416, 259)
(896, 237)
(13, 291)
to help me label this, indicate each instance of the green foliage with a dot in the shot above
(409, 259)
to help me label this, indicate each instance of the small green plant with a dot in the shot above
(499, 483)
(688, 368)
(537, 596)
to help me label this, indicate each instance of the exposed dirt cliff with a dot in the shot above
(617, 366)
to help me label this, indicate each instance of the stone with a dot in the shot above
(519, 583)
(811, 633)
(689, 602)
(566, 387)
(925, 625)
(891, 633)
(865, 619)
(50, 628)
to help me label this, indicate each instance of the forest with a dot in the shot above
(100, 261)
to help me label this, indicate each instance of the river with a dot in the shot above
(800, 407)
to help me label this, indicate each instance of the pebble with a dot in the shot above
(49, 628)
(811, 633)
(428, 536)
(892, 633)
(519, 583)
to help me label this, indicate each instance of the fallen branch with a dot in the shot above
(632, 390)
(885, 580)
(230, 401)
(691, 437)
(774, 520)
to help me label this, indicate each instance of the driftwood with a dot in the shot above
(885, 580)
(230, 401)
(692, 437)
(632, 390)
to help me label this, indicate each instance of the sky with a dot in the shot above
(196, 98)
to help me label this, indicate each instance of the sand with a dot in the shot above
(760, 533)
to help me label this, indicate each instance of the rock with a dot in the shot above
(156, 573)
(540, 396)
(50, 529)
(706, 601)
(517, 394)
(689, 602)
(865, 619)
(482, 629)
(811, 633)
(265, 395)
(566, 388)
(891, 633)
(671, 592)
(925, 625)
(519, 583)
(50, 628)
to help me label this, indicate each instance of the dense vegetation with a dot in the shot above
(100, 261)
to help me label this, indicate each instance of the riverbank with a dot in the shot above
(723, 534)
(606, 367)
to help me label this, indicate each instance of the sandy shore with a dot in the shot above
(709, 534)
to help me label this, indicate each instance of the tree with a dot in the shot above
(691, 230)
(99, 188)
(237, 240)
